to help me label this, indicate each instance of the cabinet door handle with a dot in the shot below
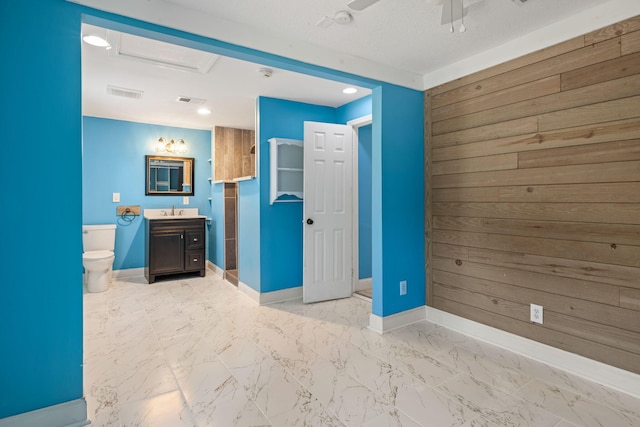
(195, 260)
(195, 239)
(182, 236)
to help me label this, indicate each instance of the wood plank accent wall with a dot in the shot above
(533, 195)
(233, 153)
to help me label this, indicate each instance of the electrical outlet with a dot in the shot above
(403, 287)
(536, 313)
(115, 198)
(185, 200)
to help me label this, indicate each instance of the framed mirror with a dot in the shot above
(169, 176)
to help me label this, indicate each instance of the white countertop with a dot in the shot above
(178, 213)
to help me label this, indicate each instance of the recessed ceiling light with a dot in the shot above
(204, 111)
(349, 90)
(94, 40)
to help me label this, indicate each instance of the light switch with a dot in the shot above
(185, 200)
(116, 197)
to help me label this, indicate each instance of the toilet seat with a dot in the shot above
(96, 255)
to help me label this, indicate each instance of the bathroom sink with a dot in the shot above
(188, 213)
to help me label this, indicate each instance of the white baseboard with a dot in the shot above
(363, 284)
(607, 375)
(281, 295)
(265, 298)
(215, 269)
(128, 273)
(68, 414)
(385, 324)
(249, 292)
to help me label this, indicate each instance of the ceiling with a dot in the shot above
(397, 41)
(149, 81)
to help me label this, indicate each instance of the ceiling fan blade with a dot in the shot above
(452, 11)
(361, 4)
(325, 22)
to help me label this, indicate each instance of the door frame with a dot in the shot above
(355, 250)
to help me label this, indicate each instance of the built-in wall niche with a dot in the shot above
(286, 160)
(234, 154)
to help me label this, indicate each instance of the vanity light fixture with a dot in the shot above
(172, 147)
(349, 90)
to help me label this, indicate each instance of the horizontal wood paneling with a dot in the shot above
(546, 53)
(477, 164)
(630, 43)
(531, 141)
(616, 68)
(515, 304)
(466, 274)
(531, 90)
(618, 151)
(591, 271)
(581, 231)
(585, 97)
(585, 193)
(556, 65)
(535, 195)
(516, 127)
(572, 174)
(625, 27)
(596, 113)
(614, 213)
(630, 298)
(612, 253)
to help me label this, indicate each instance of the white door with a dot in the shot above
(327, 210)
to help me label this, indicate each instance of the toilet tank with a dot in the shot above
(100, 237)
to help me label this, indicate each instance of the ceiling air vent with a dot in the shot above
(123, 92)
(190, 100)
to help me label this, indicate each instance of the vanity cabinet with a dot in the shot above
(286, 158)
(174, 246)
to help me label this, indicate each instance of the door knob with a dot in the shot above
(309, 221)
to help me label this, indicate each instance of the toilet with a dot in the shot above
(98, 243)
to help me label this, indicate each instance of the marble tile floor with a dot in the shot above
(196, 352)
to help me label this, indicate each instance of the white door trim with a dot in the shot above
(356, 124)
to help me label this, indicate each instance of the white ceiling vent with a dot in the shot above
(123, 92)
(190, 100)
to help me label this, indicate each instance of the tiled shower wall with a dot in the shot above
(230, 226)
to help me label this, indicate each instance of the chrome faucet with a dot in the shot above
(173, 210)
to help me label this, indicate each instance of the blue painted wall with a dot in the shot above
(397, 199)
(41, 296)
(113, 161)
(41, 309)
(364, 201)
(249, 227)
(354, 110)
